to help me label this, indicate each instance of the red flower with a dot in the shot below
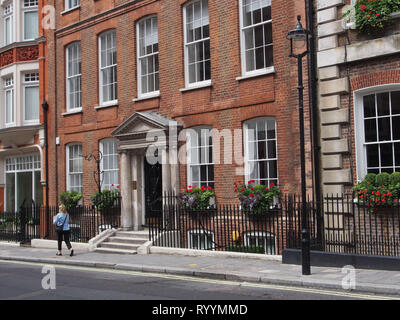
(252, 188)
(272, 185)
(368, 17)
(209, 188)
(242, 189)
(190, 190)
(251, 195)
(266, 189)
(235, 190)
(378, 14)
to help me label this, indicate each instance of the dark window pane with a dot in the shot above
(382, 100)
(261, 130)
(268, 33)
(207, 50)
(271, 129)
(263, 169)
(376, 171)
(384, 129)
(197, 33)
(260, 58)
(257, 16)
(388, 170)
(266, 13)
(397, 154)
(269, 58)
(273, 172)
(262, 152)
(271, 150)
(395, 102)
(372, 156)
(370, 130)
(396, 128)
(386, 155)
(211, 173)
(259, 36)
(207, 70)
(206, 31)
(369, 106)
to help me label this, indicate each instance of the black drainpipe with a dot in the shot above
(45, 107)
(313, 82)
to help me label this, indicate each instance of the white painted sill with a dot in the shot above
(195, 87)
(70, 9)
(72, 112)
(147, 97)
(109, 104)
(264, 72)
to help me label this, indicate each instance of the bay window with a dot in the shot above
(148, 76)
(256, 36)
(9, 101)
(31, 97)
(8, 24)
(197, 43)
(261, 162)
(30, 19)
(108, 67)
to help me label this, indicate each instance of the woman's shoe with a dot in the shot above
(58, 254)
(72, 253)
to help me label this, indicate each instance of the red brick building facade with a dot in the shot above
(119, 68)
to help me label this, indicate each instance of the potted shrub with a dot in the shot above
(257, 199)
(377, 191)
(70, 199)
(198, 200)
(372, 16)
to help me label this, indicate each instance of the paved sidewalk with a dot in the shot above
(243, 270)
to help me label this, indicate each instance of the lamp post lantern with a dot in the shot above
(296, 36)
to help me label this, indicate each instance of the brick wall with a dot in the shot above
(226, 104)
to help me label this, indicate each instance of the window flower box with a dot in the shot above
(257, 200)
(198, 201)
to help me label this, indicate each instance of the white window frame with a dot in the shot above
(8, 14)
(254, 72)
(101, 148)
(195, 84)
(69, 4)
(17, 164)
(361, 153)
(201, 233)
(8, 83)
(32, 83)
(189, 147)
(103, 68)
(246, 150)
(145, 56)
(32, 7)
(78, 75)
(67, 153)
(264, 235)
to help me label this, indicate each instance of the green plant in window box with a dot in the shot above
(70, 199)
(257, 199)
(372, 16)
(105, 199)
(197, 198)
(378, 191)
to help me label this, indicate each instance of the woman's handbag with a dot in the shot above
(61, 228)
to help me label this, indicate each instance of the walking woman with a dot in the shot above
(62, 228)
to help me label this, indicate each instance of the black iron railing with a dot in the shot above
(336, 224)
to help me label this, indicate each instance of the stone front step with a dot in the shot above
(118, 251)
(128, 240)
(117, 245)
(133, 234)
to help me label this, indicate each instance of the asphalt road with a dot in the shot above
(23, 281)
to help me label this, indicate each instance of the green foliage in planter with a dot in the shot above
(105, 199)
(247, 249)
(195, 198)
(256, 199)
(372, 15)
(382, 179)
(383, 191)
(70, 199)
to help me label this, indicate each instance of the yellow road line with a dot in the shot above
(212, 281)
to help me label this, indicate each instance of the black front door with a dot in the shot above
(152, 191)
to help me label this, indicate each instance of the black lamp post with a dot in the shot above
(97, 156)
(300, 35)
